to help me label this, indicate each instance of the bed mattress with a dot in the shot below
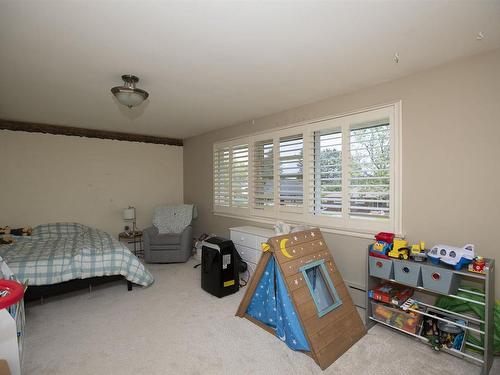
(60, 252)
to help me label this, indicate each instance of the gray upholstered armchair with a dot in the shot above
(168, 247)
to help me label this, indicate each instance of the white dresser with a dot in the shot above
(248, 242)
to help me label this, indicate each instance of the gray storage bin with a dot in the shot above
(440, 279)
(381, 268)
(407, 273)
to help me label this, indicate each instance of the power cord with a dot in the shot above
(244, 282)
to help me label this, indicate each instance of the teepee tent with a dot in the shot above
(297, 294)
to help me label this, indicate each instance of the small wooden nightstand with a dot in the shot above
(133, 242)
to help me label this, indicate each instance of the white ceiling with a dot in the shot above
(210, 64)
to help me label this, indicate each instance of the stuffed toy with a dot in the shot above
(7, 234)
(6, 237)
(26, 231)
(6, 240)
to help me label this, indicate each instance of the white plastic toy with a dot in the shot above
(454, 256)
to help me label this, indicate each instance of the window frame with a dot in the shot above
(344, 224)
(329, 283)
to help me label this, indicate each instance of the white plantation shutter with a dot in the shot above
(341, 173)
(263, 175)
(221, 177)
(369, 182)
(239, 176)
(291, 164)
(325, 192)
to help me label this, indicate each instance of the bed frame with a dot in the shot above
(39, 292)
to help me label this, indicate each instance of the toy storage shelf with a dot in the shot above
(384, 270)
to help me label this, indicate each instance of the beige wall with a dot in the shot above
(451, 157)
(47, 178)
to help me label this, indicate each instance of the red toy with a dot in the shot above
(477, 265)
(10, 293)
(385, 236)
(391, 293)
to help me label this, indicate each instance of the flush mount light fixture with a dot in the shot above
(128, 94)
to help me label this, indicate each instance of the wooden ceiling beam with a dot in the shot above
(85, 132)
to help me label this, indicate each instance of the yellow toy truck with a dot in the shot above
(400, 249)
(417, 252)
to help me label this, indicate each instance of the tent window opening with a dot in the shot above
(320, 285)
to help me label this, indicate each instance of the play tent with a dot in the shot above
(298, 294)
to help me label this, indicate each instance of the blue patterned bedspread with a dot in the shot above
(65, 251)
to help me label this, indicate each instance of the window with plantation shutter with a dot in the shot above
(221, 177)
(239, 176)
(342, 173)
(291, 165)
(326, 177)
(263, 175)
(369, 182)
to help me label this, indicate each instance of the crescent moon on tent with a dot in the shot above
(283, 248)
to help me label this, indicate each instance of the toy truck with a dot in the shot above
(400, 249)
(417, 252)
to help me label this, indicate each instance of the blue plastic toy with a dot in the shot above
(453, 256)
(381, 247)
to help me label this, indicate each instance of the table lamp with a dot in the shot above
(129, 215)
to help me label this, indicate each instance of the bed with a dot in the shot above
(58, 253)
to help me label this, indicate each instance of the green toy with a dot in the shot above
(460, 306)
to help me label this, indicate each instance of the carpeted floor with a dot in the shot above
(173, 327)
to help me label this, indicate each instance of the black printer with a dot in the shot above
(220, 267)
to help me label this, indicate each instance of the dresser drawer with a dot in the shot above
(244, 239)
(247, 254)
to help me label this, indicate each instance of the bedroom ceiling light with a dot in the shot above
(128, 94)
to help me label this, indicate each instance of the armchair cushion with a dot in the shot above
(167, 248)
(155, 238)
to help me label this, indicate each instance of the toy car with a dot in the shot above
(417, 252)
(453, 256)
(477, 265)
(381, 247)
(399, 250)
(401, 253)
